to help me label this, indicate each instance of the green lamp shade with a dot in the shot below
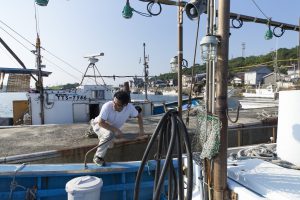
(42, 2)
(268, 35)
(127, 11)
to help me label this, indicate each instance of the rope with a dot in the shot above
(92, 149)
(264, 152)
(237, 115)
(14, 184)
(193, 81)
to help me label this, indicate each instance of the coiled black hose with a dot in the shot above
(170, 132)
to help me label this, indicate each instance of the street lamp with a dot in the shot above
(208, 47)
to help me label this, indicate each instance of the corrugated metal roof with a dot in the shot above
(23, 71)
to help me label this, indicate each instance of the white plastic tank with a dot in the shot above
(288, 133)
(84, 188)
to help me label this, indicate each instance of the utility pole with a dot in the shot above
(145, 72)
(180, 56)
(39, 83)
(243, 49)
(220, 162)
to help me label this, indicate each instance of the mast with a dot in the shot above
(180, 56)
(145, 72)
(39, 83)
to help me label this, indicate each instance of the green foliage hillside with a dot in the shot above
(65, 87)
(241, 64)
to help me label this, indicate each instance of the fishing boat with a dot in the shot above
(268, 92)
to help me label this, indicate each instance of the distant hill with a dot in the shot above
(64, 87)
(241, 64)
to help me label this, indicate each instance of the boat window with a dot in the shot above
(98, 94)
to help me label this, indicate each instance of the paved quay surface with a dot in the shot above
(29, 139)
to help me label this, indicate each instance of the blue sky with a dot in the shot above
(70, 29)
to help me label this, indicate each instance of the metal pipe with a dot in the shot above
(246, 18)
(220, 162)
(15, 56)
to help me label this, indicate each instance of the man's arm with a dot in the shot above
(104, 124)
(141, 125)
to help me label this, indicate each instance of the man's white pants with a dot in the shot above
(106, 139)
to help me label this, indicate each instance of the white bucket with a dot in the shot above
(288, 133)
(84, 188)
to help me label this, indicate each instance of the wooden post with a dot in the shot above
(239, 137)
(220, 163)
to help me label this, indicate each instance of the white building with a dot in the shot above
(255, 75)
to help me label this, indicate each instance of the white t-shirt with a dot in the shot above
(115, 118)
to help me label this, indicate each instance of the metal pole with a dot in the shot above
(220, 162)
(299, 50)
(15, 56)
(180, 56)
(146, 73)
(40, 78)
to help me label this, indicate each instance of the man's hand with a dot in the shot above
(118, 133)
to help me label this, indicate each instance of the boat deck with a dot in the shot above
(19, 140)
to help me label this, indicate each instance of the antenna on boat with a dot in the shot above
(146, 66)
(93, 59)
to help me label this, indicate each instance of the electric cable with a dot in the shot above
(260, 10)
(239, 21)
(282, 30)
(170, 131)
(237, 115)
(150, 6)
(193, 81)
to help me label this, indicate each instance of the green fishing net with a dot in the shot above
(206, 140)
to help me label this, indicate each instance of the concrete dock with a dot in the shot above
(30, 139)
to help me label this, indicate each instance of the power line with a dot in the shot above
(16, 39)
(34, 47)
(260, 10)
(62, 60)
(61, 68)
(16, 33)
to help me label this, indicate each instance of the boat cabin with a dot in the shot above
(69, 106)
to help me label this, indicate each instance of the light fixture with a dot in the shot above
(42, 2)
(127, 11)
(174, 64)
(268, 34)
(208, 47)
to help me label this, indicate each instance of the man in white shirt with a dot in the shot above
(112, 116)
